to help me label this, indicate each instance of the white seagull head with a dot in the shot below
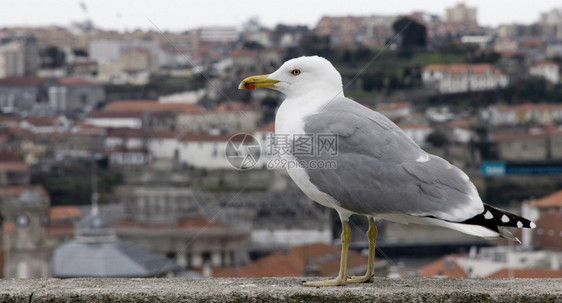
(298, 77)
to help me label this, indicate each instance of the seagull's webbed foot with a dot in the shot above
(333, 282)
(367, 278)
(370, 274)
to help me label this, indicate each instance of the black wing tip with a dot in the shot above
(494, 218)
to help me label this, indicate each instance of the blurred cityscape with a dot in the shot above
(113, 163)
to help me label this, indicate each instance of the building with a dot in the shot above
(27, 248)
(551, 23)
(24, 94)
(494, 262)
(204, 151)
(522, 114)
(350, 30)
(34, 94)
(417, 132)
(95, 251)
(138, 60)
(547, 70)
(395, 110)
(461, 14)
(226, 117)
(460, 78)
(125, 61)
(62, 221)
(117, 119)
(13, 170)
(79, 95)
(46, 124)
(521, 145)
(194, 243)
(19, 56)
(110, 50)
(158, 204)
(548, 210)
(443, 267)
(310, 260)
(146, 114)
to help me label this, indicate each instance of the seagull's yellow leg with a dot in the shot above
(370, 275)
(342, 276)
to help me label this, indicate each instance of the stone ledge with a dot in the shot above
(279, 290)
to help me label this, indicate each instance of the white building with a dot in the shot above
(11, 60)
(548, 70)
(395, 110)
(218, 34)
(118, 119)
(101, 50)
(203, 151)
(19, 56)
(417, 132)
(459, 78)
(265, 136)
(164, 145)
(544, 113)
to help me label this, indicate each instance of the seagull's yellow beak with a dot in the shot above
(257, 82)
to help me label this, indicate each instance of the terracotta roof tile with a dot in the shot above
(42, 121)
(529, 107)
(527, 273)
(446, 266)
(324, 258)
(12, 162)
(203, 137)
(552, 200)
(22, 81)
(270, 127)
(152, 106)
(232, 106)
(9, 157)
(114, 114)
(59, 213)
(17, 190)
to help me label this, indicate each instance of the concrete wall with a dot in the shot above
(280, 290)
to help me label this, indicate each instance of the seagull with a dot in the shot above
(379, 171)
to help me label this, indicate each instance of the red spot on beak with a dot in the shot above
(250, 86)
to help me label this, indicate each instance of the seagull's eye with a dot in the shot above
(296, 72)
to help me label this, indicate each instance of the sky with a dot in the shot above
(177, 15)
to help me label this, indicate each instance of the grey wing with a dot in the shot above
(379, 170)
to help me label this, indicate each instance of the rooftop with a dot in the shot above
(152, 106)
(527, 273)
(552, 200)
(444, 267)
(323, 258)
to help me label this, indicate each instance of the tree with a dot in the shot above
(437, 139)
(412, 33)
(53, 57)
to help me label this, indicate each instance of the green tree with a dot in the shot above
(412, 33)
(52, 57)
(437, 139)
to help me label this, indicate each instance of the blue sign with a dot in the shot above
(493, 168)
(502, 168)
